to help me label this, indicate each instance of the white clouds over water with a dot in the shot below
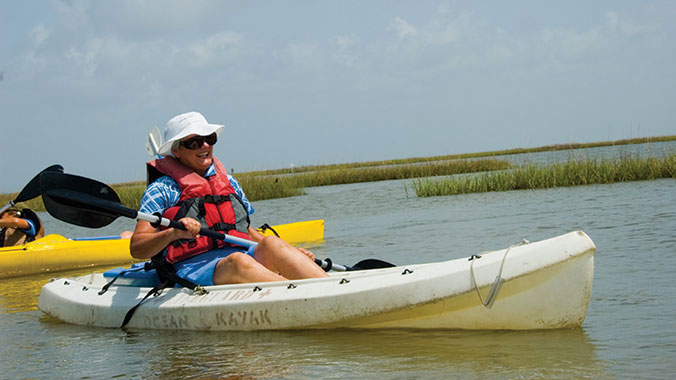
(318, 82)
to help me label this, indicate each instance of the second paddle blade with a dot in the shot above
(32, 189)
(78, 200)
(372, 264)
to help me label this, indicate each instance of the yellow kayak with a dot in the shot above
(309, 231)
(54, 252)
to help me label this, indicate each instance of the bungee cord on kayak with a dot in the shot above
(499, 281)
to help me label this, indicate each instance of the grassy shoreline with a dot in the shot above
(570, 173)
(270, 187)
(277, 183)
(460, 156)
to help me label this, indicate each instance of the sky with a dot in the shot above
(316, 82)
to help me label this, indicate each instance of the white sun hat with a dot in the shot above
(186, 124)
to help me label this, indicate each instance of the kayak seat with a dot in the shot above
(133, 276)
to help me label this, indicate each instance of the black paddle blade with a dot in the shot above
(32, 189)
(80, 201)
(372, 264)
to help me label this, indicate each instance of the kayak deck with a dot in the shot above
(547, 285)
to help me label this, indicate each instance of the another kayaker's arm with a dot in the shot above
(14, 222)
(147, 241)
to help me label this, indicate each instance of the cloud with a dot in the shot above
(86, 57)
(74, 13)
(345, 42)
(403, 28)
(218, 47)
(345, 54)
(40, 34)
(627, 27)
(609, 34)
(302, 53)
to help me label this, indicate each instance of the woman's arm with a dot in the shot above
(147, 241)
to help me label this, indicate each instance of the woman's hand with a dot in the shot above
(147, 241)
(192, 229)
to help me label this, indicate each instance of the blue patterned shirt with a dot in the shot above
(165, 193)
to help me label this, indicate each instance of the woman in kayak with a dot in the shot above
(19, 227)
(191, 186)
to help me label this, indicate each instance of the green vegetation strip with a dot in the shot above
(271, 184)
(270, 187)
(383, 173)
(547, 148)
(571, 173)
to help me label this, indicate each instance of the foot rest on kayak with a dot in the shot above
(136, 277)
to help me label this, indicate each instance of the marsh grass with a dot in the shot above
(412, 160)
(130, 193)
(278, 183)
(259, 187)
(384, 173)
(571, 173)
(33, 204)
(130, 196)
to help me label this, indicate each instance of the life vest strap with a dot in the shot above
(216, 199)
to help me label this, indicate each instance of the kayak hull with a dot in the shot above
(54, 253)
(545, 285)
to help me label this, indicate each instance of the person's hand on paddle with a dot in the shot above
(192, 229)
(10, 219)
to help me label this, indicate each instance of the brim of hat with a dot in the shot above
(200, 130)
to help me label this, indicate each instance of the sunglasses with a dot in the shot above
(198, 141)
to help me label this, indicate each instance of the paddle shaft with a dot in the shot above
(154, 219)
(88, 203)
(5, 207)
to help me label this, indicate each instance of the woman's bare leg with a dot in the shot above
(280, 257)
(240, 268)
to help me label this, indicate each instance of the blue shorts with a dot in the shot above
(200, 269)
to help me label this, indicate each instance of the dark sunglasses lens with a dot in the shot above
(193, 143)
(211, 139)
(197, 141)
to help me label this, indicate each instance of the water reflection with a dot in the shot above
(371, 354)
(19, 294)
(335, 354)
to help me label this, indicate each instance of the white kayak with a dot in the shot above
(540, 285)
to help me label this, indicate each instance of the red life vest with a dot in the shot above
(212, 201)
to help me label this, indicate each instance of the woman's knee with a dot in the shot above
(271, 243)
(236, 262)
(269, 248)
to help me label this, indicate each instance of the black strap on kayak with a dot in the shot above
(168, 278)
(266, 227)
(122, 273)
(155, 290)
(167, 272)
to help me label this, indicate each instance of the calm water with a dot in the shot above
(630, 330)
